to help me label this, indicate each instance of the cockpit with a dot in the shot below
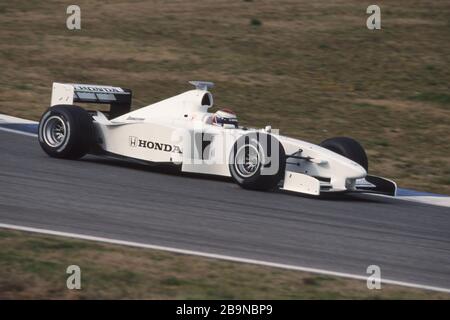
(225, 118)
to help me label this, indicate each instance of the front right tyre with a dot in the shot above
(349, 148)
(66, 131)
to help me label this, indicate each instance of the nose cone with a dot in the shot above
(355, 170)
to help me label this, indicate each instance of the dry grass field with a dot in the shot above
(34, 266)
(310, 68)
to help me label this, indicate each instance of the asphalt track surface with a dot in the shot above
(114, 199)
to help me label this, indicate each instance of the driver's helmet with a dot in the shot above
(225, 118)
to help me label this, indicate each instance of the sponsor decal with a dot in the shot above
(92, 88)
(135, 142)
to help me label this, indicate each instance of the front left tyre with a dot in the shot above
(66, 131)
(257, 161)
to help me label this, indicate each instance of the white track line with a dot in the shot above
(435, 201)
(5, 119)
(218, 256)
(440, 201)
(10, 119)
(29, 134)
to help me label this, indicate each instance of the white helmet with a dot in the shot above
(225, 118)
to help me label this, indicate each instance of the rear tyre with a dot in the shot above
(348, 148)
(66, 131)
(257, 161)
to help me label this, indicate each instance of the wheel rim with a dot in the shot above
(55, 131)
(247, 161)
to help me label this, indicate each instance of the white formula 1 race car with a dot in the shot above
(180, 131)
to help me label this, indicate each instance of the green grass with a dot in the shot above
(255, 22)
(33, 266)
(442, 98)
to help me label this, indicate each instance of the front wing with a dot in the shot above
(303, 183)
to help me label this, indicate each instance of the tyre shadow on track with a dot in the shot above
(342, 197)
(175, 170)
(162, 168)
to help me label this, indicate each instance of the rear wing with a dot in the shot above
(118, 98)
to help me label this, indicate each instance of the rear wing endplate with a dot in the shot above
(118, 98)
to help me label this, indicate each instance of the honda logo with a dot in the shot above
(159, 146)
(133, 141)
